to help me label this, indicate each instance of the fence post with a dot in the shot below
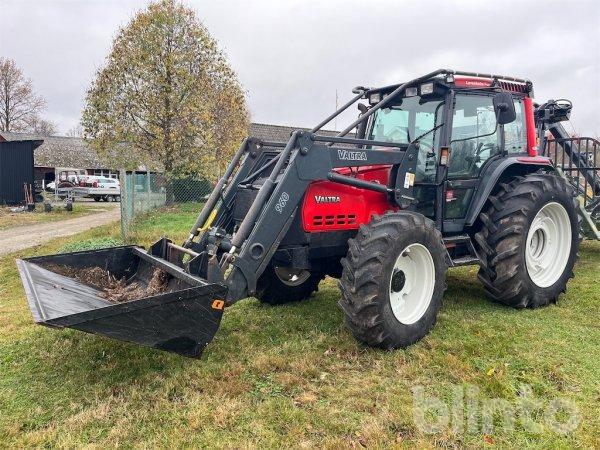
(124, 200)
(148, 197)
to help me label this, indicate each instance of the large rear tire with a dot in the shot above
(393, 280)
(279, 285)
(529, 241)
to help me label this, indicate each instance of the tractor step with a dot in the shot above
(457, 240)
(182, 317)
(463, 241)
(465, 261)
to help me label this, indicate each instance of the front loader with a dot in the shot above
(438, 172)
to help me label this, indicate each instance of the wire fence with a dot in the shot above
(143, 192)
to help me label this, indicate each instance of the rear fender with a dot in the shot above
(503, 170)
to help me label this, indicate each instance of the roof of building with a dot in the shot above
(59, 151)
(279, 133)
(63, 151)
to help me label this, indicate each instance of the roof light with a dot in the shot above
(374, 98)
(411, 92)
(427, 88)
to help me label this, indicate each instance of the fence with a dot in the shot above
(143, 192)
(579, 160)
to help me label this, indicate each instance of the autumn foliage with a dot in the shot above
(166, 97)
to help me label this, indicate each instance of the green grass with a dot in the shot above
(292, 375)
(90, 244)
(10, 219)
(174, 222)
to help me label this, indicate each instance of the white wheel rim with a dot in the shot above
(548, 245)
(292, 277)
(411, 284)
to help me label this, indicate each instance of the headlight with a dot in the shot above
(410, 92)
(427, 88)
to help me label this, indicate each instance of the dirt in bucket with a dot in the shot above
(114, 289)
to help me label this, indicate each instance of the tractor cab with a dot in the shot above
(463, 125)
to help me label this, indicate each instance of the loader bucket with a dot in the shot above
(182, 316)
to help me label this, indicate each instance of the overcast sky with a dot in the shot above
(292, 56)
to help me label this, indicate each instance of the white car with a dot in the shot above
(99, 188)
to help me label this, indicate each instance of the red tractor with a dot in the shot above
(440, 171)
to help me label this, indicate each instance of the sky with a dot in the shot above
(293, 56)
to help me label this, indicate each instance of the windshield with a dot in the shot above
(404, 121)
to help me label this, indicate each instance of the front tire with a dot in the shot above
(279, 285)
(529, 241)
(393, 280)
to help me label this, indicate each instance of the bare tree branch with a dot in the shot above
(20, 107)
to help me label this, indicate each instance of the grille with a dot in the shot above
(243, 200)
(340, 219)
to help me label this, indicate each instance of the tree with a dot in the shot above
(42, 127)
(169, 93)
(20, 107)
(76, 131)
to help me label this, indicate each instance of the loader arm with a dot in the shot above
(309, 159)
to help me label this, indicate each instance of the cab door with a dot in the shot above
(475, 140)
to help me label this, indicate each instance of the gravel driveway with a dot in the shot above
(18, 238)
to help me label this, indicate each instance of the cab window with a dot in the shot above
(408, 119)
(475, 136)
(515, 134)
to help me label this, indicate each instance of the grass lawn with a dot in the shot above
(293, 376)
(10, 219)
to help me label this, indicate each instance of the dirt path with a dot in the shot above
(18, 238)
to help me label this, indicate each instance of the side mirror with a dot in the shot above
(362, 127)
(504, 108)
